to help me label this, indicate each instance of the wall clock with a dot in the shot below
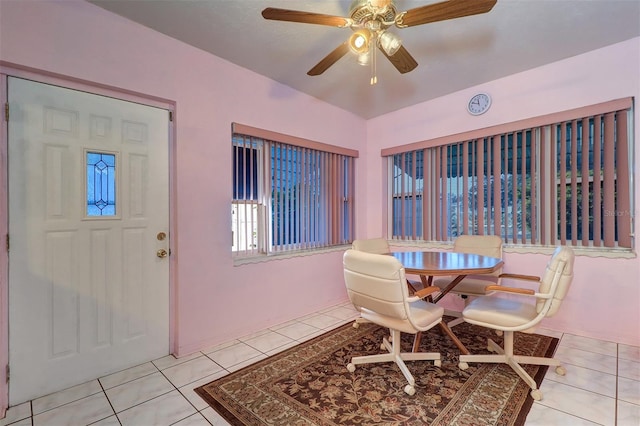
(479, 104)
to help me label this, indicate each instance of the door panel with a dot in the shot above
(88, 193)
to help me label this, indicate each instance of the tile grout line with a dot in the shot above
(110, 404)
(615, 409)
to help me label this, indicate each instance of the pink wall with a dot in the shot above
(215, 301)
(604, 301)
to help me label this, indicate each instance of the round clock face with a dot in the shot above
(479, 104)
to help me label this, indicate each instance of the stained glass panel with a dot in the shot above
(101, 184)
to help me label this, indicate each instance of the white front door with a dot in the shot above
(88, 220)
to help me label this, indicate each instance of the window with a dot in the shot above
(289, 197)
(101, 184)
(559, 179)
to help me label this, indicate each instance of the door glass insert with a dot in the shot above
(101, 184)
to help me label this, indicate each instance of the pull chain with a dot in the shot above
(374, 78)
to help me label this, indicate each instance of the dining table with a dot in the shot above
(428, 264)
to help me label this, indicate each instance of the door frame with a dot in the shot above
(42, 76)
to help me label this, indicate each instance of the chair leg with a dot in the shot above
(394, 355)
(504, 355)
(455, 322)
(359, 321)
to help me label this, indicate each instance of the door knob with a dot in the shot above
(161, 253)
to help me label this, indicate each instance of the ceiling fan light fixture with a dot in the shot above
(390, 43)
(364, 58)
(359, 41)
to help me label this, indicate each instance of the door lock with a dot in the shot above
(161, 253)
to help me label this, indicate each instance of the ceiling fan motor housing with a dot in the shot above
(363, 12)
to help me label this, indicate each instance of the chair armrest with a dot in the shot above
(422, 293)
(510, 289)
(520, 277)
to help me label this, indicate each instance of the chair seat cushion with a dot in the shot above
(425, 315)
(496, 312)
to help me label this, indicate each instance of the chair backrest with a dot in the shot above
(376, 282)
(556, 279)
(371, 245)
(484, 245)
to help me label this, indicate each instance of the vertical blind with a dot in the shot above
(563, 179)
(311, 191)
(289, 197)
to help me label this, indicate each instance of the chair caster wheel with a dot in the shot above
(356, 325)
(437, 363)
(463, 366)
(409, 390)
(351, 368)
(536, 394)
(560, 370)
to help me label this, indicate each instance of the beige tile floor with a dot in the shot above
(601, 387)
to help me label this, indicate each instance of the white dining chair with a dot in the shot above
(511, 315)
(378, 246)
(376, 285)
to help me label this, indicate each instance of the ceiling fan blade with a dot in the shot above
(330, 59)
(304, 17)
(402, 60)
(442, 11)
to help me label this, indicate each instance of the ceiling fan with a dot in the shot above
(370, 21)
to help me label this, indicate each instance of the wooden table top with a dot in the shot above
(436, 263)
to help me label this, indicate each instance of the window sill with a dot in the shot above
(239, 261)
(613, 253)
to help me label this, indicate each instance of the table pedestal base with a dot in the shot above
(448, 332)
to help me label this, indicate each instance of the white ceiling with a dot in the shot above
(452, 55)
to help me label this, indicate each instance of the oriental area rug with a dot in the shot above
(309, 384)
